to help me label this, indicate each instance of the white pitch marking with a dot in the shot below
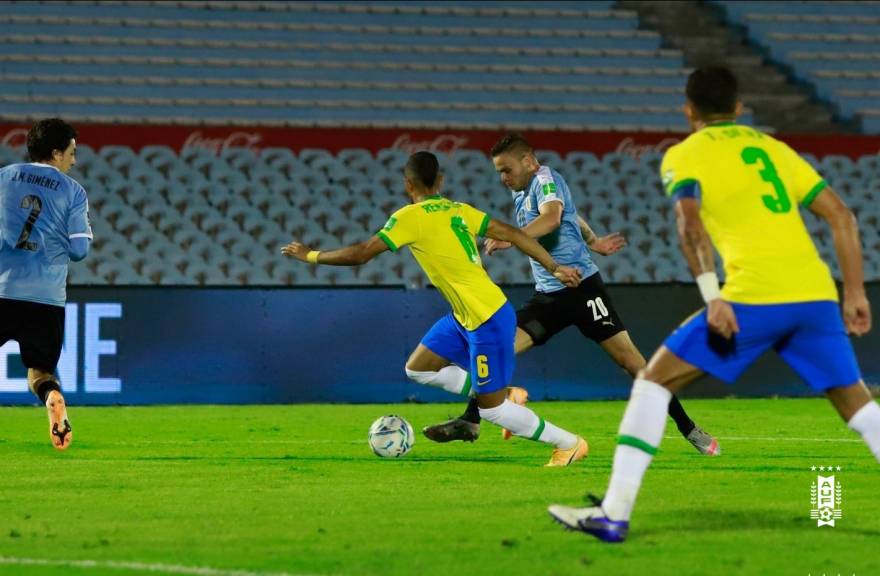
(138, 566)
(783, 439)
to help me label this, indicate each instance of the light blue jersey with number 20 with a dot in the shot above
(41, 211)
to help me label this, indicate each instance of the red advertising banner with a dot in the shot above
(374, 139)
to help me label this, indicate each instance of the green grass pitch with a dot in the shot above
(258, 490)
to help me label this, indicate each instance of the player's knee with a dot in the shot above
(646, 373)
(632, 361)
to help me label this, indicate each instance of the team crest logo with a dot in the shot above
(826, 496)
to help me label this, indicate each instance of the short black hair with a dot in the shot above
(712, 90)
(513, 142)
(49, 135)
(423, 167)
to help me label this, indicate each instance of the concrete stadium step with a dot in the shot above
(698, 29)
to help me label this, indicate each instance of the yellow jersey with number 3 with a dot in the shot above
(442, 237)
(750, 187)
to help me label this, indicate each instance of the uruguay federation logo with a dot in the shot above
(826, 496)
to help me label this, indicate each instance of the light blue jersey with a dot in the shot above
(565, 244)
(41, 211)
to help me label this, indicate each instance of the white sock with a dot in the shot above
(526, 424)
(451, 378)
(639, 437)
(867, 423)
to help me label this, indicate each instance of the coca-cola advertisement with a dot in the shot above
(216, 139)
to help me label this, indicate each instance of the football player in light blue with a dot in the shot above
(546, 211)
(44, 224)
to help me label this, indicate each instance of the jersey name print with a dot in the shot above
(41, 210)
(441, 235)
(749, 186)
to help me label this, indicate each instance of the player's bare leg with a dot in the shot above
(46, 388)
(621, 349)
(858, 409)
(641, 431)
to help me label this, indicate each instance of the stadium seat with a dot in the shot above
(205, 221)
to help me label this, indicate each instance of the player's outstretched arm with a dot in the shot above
(848, 246)
(604, 245)
(697, 249)
(498, 230)
(353, 255)
(549, 220)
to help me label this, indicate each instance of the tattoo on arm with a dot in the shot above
(586, 231)
(695, 243)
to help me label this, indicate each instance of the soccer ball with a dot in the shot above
(391, 436)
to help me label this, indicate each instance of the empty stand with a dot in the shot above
(197, 218)
(834, 46)
(339, 64)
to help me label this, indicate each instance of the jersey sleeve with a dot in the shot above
(679, 177)
(78, 216)
(547, 188)
(401, 229)
(803, 179)
(477, 221)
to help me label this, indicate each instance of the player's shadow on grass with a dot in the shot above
(720, 520)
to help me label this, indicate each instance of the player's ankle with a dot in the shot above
(42, 389)
(472, 413)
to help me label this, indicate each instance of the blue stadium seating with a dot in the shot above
(574, 64)
(204, 219)
(834, 46)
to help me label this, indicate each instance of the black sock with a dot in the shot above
(46, 386)
(682, 420)
(472, 413)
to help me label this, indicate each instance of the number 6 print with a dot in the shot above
(482, 366)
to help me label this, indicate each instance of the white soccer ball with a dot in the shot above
(391, 436)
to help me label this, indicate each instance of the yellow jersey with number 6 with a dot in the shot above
(442, 237)
(750, 187)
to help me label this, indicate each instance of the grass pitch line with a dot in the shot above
(138, 566)
(781, 439)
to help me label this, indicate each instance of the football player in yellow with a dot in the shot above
(740, 190)
(478, 335)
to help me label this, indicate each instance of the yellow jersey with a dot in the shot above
(442, 237)
(750, 185)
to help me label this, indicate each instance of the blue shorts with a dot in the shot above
(809, 336)
(487, 353)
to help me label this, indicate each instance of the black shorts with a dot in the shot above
(589, 307)
(38, 329)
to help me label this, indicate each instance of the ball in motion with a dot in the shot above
(391, 436)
